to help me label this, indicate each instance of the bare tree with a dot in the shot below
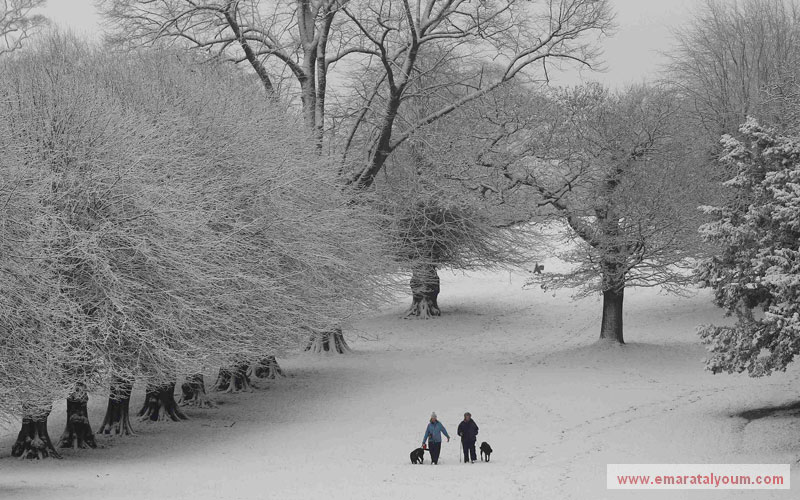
(437, 224)
(18, 21)
(433, 229)
(271, 37)
(515, 36)
(615, 169)
(384, 42)
(730, 54)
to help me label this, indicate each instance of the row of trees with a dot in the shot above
(149, 231)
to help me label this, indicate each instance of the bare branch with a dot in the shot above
(18, 22)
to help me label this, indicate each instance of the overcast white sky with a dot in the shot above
(631, 55)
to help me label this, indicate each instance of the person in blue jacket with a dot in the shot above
(433, 436)
(468, 430)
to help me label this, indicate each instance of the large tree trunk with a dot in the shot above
(425, 293)
(118, 411)
(268, 368)
(329, 341)
(160, 405)
(78, 432)
(611, 327)
(234, 379)
(33, 440)
(193, 392)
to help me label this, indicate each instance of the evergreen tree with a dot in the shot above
(756, 274)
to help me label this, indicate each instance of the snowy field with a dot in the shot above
(555, 407)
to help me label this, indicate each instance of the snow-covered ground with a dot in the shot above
(555, 406)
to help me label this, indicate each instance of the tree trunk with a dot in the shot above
(33, 440)
(78, 432)
(160, 405)
(268, 368)
(308, 94)
(193, 392)
(329, 341)
(235, 379)
(425, 293)
(611, 327)
(118, 412)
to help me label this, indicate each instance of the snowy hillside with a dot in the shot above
(555, 407)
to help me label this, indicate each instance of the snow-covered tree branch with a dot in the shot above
(18, 21)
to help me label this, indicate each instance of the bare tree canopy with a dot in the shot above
(280, 40)
(414, 43)
(17, 22)
(613, 168)
(391, 47)
(733, 56)
(436, 224)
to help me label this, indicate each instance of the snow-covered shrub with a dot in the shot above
(756, 274)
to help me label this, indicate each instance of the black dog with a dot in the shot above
(486, 450)
(418, 456)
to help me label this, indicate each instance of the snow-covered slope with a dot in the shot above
(555, 406)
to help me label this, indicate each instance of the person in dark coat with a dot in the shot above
(468, 430)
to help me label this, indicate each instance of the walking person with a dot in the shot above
(433, 436)
(468, 430)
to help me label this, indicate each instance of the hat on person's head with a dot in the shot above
(433, 415)
(467, 414)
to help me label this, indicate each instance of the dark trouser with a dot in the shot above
(469, 450)
(435, 448)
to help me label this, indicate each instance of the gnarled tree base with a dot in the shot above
(425, 292)
(268, 368)
(118, 412)
(236, 379)
(331, 341)
(423, 307)
(33, 440)
(193, 393)
(160, 405)
(78, 432)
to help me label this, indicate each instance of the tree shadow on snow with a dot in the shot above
(791, 409)
(648, 357)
